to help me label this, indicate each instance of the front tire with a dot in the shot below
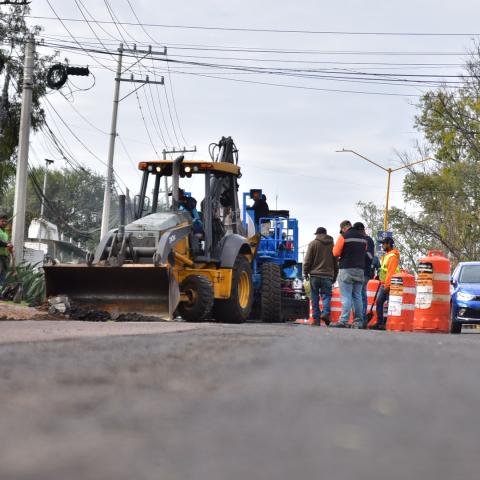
(199, 291)
(455, 327)
(236, 309)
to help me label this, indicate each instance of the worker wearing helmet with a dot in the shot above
(389, 266)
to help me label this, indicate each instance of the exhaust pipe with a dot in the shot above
(175, 180)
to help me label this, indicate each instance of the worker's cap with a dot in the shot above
(321, 230)
(3, 216)
(359, 226)
(345, 223)
(388, 240)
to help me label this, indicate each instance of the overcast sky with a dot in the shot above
(287, 137)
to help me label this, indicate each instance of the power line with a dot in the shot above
(71, 35)
(272, 30)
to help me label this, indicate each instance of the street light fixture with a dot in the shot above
(42, 207)
(389, 174)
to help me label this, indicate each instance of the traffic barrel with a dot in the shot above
(401, 302)
(432, 304)
(335, 306)
(372, 292)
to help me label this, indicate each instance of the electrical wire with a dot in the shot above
(273, 30)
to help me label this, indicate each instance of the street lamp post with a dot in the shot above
(389, 174)
(44, 192)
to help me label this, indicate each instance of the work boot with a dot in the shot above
(326, 319)
(357, 325)
(377, 326)
(316, 322)
(339, 325)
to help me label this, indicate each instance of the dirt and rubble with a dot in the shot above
(13, 311)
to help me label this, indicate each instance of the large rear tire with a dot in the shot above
(199, 291)
(236, 309)
(271, 293)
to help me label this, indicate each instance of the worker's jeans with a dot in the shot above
(350, 281)
(3, 269)
(365, 299)
(320, 286)
(382, 297)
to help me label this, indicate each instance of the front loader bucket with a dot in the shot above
(144, 289)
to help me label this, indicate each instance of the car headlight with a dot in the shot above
(465, 297)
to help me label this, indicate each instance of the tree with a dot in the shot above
(13, 31)
(448, 193)
(74, 201)
(412, 242)
(444, 194)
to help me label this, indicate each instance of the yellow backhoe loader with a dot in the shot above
(172, 260)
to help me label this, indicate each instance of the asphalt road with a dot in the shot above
(223, 402)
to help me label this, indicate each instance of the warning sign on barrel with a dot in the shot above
(395, 299)
(424, 286)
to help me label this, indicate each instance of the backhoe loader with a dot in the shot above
(166, 262)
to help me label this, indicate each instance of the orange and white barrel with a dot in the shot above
(335, 306)
(432, 304)
(372, 288)
(401, 302)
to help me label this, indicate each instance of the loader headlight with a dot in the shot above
(188, 169)
(159, 169)
(465, 297)
(150, 168)
(195, 168)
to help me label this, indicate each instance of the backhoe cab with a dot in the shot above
(169, 261)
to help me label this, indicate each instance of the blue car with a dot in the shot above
(465, 304)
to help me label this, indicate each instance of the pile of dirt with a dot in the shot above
(91, 314)
(13, 311)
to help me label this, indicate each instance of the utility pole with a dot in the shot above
(18, 228)
(42, 208)
(181, 151)
(113, 129)
(111, 148)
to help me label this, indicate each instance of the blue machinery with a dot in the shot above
(277, 275)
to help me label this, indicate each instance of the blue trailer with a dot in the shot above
(277, 273)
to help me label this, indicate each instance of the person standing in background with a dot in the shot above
(321, 267)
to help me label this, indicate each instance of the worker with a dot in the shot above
(260, 207)
(6, 247)
(350, 248)
(369, 272)
(388, 267)
(186, 203)
(321, 268)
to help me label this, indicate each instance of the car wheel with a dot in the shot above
(455, 326)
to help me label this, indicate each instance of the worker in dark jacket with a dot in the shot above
(6, 247)
(350, 249)
(369, 272)
(320, 266)
(260, 207)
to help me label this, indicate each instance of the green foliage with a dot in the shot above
(24, 283)
(13, 31)
(75, 200)
(446, 195)
(412, 242)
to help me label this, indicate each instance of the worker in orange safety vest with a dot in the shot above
(389, 266)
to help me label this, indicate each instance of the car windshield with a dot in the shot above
(470, 274)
